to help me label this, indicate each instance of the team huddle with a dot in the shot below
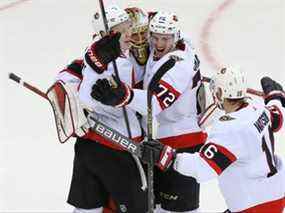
(112, 82)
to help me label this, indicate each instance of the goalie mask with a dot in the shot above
(139, 36)
(228, 83)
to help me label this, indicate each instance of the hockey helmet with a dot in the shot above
(230, 83)
(165, 23)
(114, 14)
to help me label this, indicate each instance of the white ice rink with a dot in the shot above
(39, 37)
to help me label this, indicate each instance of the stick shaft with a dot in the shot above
(32, 88)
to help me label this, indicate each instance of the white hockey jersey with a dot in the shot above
(111, 116)
(174, 99)
(240, 152)
(84, 77)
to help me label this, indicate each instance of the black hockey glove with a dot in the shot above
(112, 92)
(102, 52)
(272, 90)
(163, 155)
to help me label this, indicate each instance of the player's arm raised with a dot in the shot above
(275, 102)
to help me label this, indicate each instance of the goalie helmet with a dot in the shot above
(139, 34)
(114, 14)
(165, 23)
(229, 83)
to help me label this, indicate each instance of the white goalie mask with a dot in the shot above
(114, 14)
(165, 23)
(229, 83)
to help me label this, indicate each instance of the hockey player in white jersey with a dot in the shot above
(99, 165)
(240, 148)
(174, 106)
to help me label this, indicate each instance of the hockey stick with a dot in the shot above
(103, 12)
(116, 138)
(153, 83)
(101, 129)
(17, 79)
(125, 114)
(249, 90)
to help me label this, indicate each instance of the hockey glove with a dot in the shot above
(112, 92)
(163, 155)
(272, 90)
(103, 51)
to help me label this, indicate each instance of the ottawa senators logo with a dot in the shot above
(226, 118)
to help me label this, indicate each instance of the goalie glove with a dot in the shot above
(163, 156)
(103, 51)
(272, 90)
(112, 92)
(69, 115)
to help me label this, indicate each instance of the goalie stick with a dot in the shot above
(108, 133)
(115, 137)
(17, 79)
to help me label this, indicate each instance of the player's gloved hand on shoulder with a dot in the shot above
(103, 51)
(272, 90)
(162, 155)
(112, 92)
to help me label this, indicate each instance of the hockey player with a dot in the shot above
(240, 148)
(174, 106)
(98, 165)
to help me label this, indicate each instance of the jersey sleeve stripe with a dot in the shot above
(170, 88)
(213, 165)
(190, 140)
(218, 157)
(165, 94)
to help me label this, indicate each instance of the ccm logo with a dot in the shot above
(114, 137)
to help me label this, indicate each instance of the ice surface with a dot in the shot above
(39, 37)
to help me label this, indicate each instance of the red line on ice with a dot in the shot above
(206, 33)
(11, 5)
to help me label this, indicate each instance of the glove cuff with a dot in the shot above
(167, 157)
(129, 94)
(275, 95)
(93, 61)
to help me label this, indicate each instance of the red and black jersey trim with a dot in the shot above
(189, 140)
(276, 118)
(166, 94)
(217, 156)
(275, 95)
(75, 68)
